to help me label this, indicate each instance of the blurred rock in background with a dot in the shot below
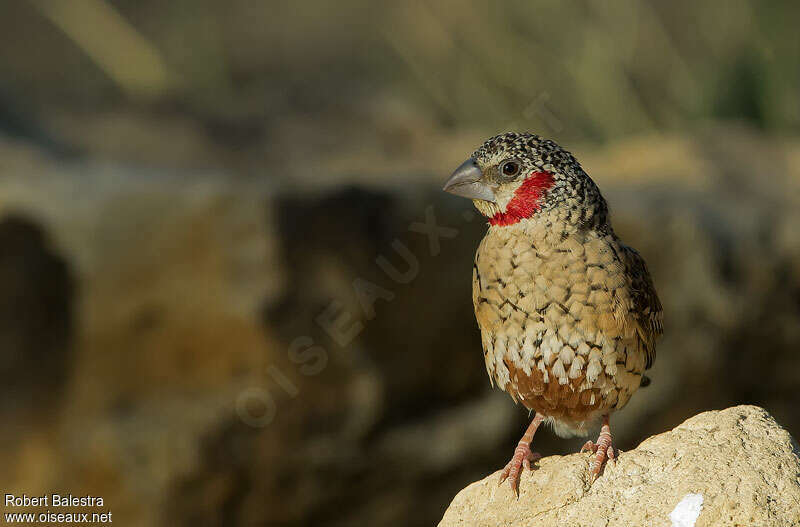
(223, 301)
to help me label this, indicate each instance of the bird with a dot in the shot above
(568, 314)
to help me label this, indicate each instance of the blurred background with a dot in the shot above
(197, 197)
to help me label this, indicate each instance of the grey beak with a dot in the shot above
(467, 182)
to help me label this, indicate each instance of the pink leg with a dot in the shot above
(522, 456)
(603, 449)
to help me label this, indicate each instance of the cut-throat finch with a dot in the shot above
(568, 313)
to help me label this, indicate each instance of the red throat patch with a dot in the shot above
(525, 202)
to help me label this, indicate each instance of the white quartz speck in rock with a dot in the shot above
(686, 511)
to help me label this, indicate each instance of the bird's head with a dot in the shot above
(513, 177)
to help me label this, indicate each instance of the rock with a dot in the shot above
(738, 463)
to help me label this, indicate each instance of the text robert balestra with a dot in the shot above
(53, 500)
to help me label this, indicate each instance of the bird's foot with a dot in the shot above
(522, 458)
(602, 450)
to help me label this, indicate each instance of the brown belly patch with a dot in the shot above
(565, 401)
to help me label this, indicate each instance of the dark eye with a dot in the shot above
(510, 168)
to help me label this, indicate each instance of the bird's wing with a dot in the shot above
(645, 306)
(476, 286)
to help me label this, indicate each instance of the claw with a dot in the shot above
(523, 457)
(603, 450)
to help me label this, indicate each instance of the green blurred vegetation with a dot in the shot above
(594, 70)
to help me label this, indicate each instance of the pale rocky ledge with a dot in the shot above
(739, 463)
